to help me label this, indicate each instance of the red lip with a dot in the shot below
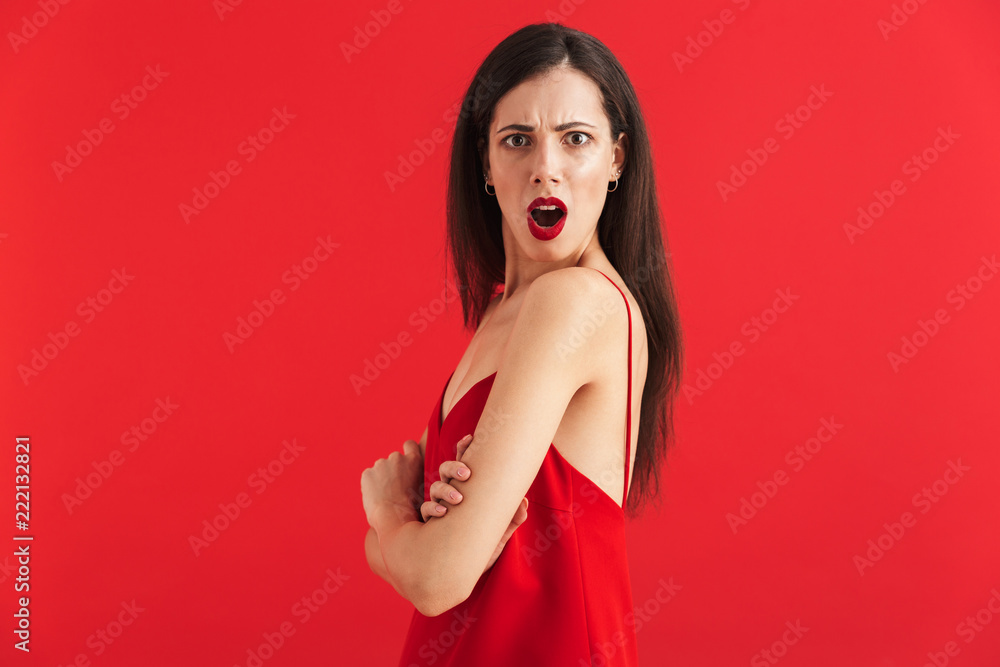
(546, 233)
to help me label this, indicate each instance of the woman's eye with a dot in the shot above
(584, 138)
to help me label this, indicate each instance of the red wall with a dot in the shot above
(163, 406)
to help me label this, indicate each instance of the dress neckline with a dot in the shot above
(552, 447)
(442, 419)
(628, 414)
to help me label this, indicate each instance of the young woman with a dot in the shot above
(566, 388)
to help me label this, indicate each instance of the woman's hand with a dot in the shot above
(394, 483)
(442, 491)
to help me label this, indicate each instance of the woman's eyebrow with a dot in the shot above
(560, 128)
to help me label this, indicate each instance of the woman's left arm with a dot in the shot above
(548, 358)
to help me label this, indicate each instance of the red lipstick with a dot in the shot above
(547, 233)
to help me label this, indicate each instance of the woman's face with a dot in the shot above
(550, 137)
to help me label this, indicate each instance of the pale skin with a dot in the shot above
(546, 390)
(440, 497)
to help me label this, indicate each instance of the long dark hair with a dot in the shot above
(629, 229)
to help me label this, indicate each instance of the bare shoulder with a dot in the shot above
(569, 308)
(579, 296)
(575, 286)
(589, 308)
(423, 443)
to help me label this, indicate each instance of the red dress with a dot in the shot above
(559, 594)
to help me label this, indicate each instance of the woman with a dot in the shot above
(584, 367)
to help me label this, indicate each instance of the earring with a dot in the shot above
(616, 182)
(486, 186)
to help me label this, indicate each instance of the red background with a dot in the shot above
(323, 175)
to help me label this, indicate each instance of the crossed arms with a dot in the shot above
(435, 565)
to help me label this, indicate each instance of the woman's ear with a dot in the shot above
(620, 151)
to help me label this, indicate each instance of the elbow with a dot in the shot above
(428, 607)
(433, 580)
(431, 605)
(435, 598)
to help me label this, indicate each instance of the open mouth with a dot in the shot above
(546, 216)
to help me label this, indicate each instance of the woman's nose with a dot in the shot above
(547, 161)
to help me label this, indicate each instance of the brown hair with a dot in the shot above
(629, 229)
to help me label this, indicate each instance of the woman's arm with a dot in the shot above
(547, 359)
(373, 552)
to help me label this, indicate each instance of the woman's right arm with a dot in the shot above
(449, 470)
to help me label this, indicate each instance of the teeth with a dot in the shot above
(548, 208)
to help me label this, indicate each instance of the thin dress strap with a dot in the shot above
(628, 405)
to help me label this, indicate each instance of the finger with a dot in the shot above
(443, 492)
(519, 516)
(411, 447)
(431, 509)
(463, 445)
(450, 470)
